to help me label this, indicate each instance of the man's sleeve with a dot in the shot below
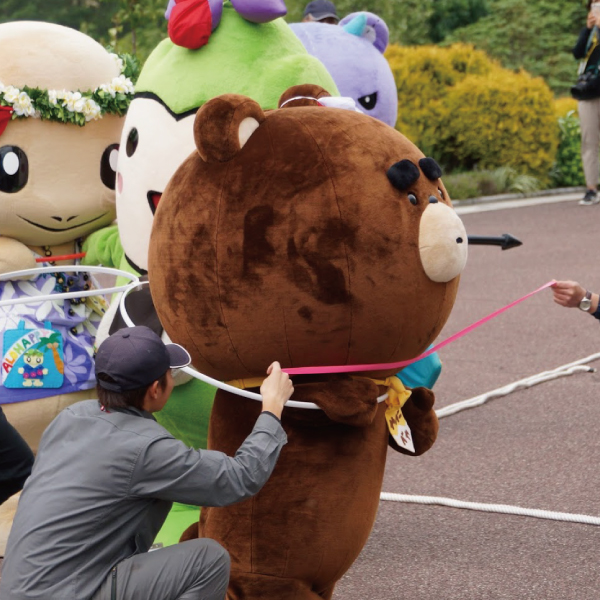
(167, 469)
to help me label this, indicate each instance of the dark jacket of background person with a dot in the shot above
(101, 488)
(580, 49)
(16, 460)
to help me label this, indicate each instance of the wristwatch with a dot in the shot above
(586, 302)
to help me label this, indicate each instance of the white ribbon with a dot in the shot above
(343, 102)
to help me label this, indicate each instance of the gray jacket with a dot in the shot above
(101, 488)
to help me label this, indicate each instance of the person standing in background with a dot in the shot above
(587, 49)
(322, 11)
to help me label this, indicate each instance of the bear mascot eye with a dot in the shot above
(108, 166)
(14, 169)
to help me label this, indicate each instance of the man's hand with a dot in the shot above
(276, 389)
(568, 293)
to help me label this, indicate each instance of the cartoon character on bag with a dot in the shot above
(62, 99)
(33, 372)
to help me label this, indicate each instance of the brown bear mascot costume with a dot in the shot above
(314, 236)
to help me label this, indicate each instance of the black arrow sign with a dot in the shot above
(506, 241)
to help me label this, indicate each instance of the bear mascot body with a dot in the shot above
(58, 157)
(312, 236)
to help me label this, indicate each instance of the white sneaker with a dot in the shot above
(591, 197)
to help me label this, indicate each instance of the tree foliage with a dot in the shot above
(537, 36)
(460, 106)
(133, 26)
(138, 25)
(449, 15)
(407, 20)
(90, 16)
(411, 22)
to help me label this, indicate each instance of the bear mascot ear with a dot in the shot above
(305, 94)
(223, 126)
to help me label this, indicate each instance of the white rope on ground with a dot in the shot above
(494, 508)
(562, 371)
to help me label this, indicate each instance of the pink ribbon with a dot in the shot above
(404, 363)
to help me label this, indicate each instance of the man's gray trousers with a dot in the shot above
(193, 570)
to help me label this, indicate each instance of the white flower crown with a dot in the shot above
(74, 107)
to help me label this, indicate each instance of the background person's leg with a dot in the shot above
(16, 459)
(194, 570)
(589, 116)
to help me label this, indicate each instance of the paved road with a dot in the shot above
(535, 448)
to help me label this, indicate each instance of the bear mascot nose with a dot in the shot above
(442, 243)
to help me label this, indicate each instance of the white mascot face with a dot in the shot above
(153, 145)
(57, 180)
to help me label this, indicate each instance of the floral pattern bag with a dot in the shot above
(70, 324)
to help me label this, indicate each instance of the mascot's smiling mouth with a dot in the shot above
(61, 228)
(153, 200)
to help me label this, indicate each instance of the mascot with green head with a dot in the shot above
(258, 59)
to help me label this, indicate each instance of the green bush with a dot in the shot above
(474, 184)
(466, 111)
(500, 119)
(568, 169)
(424, 76)
(461, 186)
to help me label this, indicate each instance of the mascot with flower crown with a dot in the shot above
(62, 101)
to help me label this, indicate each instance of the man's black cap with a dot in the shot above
(135, 357)
(320, 9)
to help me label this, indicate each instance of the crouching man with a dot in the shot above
(106, 475)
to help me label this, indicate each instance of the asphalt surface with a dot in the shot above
(535, 448)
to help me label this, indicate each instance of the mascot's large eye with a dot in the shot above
(369, 101)
(14, 169)
(413, 199)
(108, 166)
(132, 142)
